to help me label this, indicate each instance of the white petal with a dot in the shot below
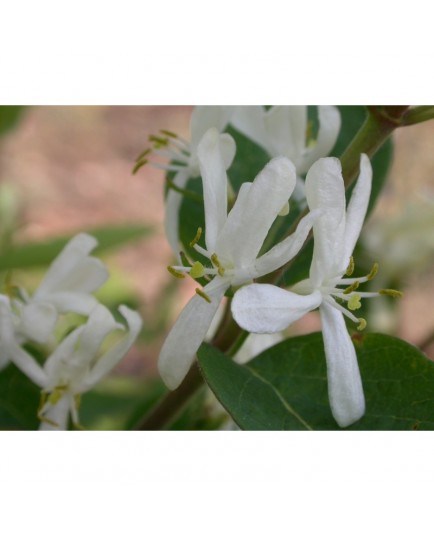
(38, 321)
(57, 414)
(111, 358)
(180, 347)
(329, 125)
(357, 208)
(245, 230)
(173, 207)
(206, 117)
(286, 127)
(71, 255)
(250, 121)
(286, 250)
(215, 183)
(87, 275)
(345, 388)
(255, 344)
(228, 149)
(58, 367)
(325, 190)
(268, 309)
(73, 302)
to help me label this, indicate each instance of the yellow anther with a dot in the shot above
(284, 211)
(373, 272)
(175, 273)
(197, 237)
(197, 270)
(352, 287)
(144, 153)
(391, 292)
(202, 294)
(139, 165)
(354, 302)
(158, 141)
(362, 324)
(217, 264)
(168, 133)
(350, 268)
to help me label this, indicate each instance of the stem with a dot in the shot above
(418, 114)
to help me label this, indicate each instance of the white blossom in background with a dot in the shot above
(283, 131)
(183, 156)
(75, 366)
(66, 287)
(266, 308)
(233, 242)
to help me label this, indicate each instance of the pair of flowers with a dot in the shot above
(77, 364)
(233, 242)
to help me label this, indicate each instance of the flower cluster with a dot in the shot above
(233, 255)
(77, 363)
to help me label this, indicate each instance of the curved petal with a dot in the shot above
(329, 119)
(183, 341)
(250, 121)
(325, 190)
(286, 128)
(206, 117)
(58, 367)
(286, 250)
(73, 302)
(58, 414)
(269, 309)
(357, 208)
(71, 255)
(173, 207)
(255, 344)
(215, 184)
(38, 321)
(228, 149)
(111, 358)
(345, 388)
(87, 275)
(245, 230)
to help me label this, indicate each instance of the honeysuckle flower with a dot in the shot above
(184, 161)
(66, 287)
(267, 309)
(284, 131)
(233, 242)
(75, 366)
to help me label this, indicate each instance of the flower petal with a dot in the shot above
(345, 388)
(58, 414)
(329, 125)
(183, 341)
(38, 321)
(286, 127)
(325, 190)
(173, 207)
(268, 309)
(286, 250)
(72, 302)
(206, 117)
(357, 208)
(250, 121)
(215, 184)
(247, 226)
(111, 358)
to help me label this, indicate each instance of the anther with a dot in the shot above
(158, 141)
(202, 294)
(143, 154)
(390, 292)
(197, 237)
(217, 264)
(168, 133)
(362, 324)
(139, 165)
(354, 302)
(350, 268)
(175, 273)
(373, 272)
(352, 287)
(197, 270)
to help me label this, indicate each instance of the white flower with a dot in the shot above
(233, 242)
(266, 308)
(75, 365)
(66, 287)
(283, 131)
(184, 160)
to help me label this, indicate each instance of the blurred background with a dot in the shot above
(67, 169)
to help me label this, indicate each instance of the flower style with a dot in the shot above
(233, 242)
(74, 367)
(184, 160)
(267, 309)
(66, 287)
(283, 131)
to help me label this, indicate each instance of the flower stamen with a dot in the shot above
(217, 264)
(350, 268)
(391, 292)
(197, 237)
(175, 272)
(203, 295)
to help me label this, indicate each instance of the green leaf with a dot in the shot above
(285, 388)
(9, 117)
(36, 254)
(19, 401)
